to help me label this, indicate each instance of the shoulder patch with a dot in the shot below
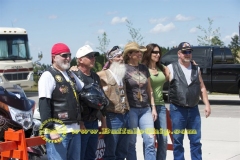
(58, 78)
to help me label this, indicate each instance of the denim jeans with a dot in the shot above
(68, 149)
(142, 118)
(116, 144)
(89, 141)
(186, 118)
(161, 125)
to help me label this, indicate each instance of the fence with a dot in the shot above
(15, 145)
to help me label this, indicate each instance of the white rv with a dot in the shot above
(16, 66)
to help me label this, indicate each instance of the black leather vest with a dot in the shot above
(64, 103)
(180, 93)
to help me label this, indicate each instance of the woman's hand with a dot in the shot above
(154, 113)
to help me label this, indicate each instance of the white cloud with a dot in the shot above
(180, 17)
(52, 17)
(117, 20)
(161, 28)
(155, 20)
(193, 30)
(228, 38)
(100, 31)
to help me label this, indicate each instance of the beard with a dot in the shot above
(187, 60)
(119, 69)
(64, 65)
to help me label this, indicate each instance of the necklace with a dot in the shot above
(139, 93)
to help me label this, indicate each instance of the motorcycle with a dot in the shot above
(16, 112)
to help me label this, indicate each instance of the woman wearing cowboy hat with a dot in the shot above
(142, 112)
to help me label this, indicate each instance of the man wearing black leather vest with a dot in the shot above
(59, 106)
(185, 89)
(85, 58)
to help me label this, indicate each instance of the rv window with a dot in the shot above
(3, 49)
(18, 48)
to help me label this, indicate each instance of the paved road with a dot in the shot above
(220, 132)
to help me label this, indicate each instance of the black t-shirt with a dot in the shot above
(89, 114)
(93, 78)
(137, 80)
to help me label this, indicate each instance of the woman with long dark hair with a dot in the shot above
(158, 76)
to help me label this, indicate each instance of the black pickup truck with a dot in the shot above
(218, 70)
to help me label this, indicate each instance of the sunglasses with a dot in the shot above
(186, 52)
(65, 55)
(156, 52)
(90, 56)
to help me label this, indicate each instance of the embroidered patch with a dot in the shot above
(58, 78)
(63, 115)
(63, 89)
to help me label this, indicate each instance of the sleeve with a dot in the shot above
(79, 83)
(46, 85)
(45, 112)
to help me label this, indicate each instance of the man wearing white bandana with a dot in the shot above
(111, 78)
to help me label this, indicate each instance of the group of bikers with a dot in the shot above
(125, 94)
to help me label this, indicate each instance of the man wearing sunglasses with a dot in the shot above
(57, 89)
(185, 89)
(85, 58)
(117, 111)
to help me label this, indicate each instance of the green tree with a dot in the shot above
(135, 33)
(235, 48)
(164, 50)
(211, 37)
(73, 62)
(103, 45)
(38, 69)
(215, 41)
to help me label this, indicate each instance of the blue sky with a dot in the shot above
(80, 22)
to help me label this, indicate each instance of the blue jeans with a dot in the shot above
(161, 125)
(186, 118)
(142, 118)
(68, 149)
(89, 141)
(116, 144)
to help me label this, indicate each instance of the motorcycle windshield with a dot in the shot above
(16, 98)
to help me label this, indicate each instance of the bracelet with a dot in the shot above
(153, 105)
